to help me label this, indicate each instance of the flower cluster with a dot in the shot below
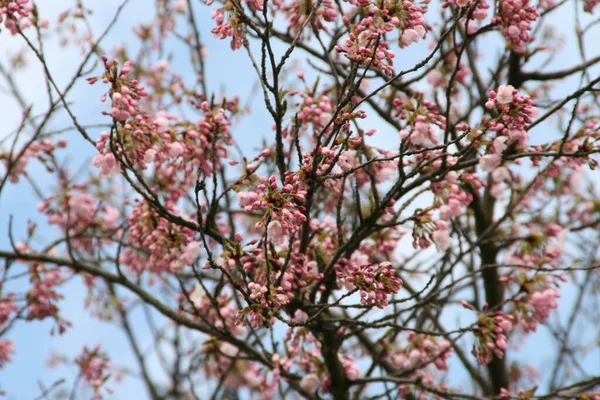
(589, 5)
(423, 120)
(178, 151)
(14, 14)
(297, 12)
(6, 349)
(516, 18)
(453, 198)
(169, 247)
(365, 44)
(280, 207)
(78, 212)
(421, 350)
(266, 300)
(538, 306)
(43, 150)
(491, 335)
(376, 283)
(516, 113)
(7, 308)
(314, 109)
(228, 25)
(94, 365)
(426, 230)
(350, 369)
(411, 21)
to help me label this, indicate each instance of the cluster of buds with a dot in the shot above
(228, 25)
(426, 230)
(539, 305)
(375, 283)
(7, 308)
(453, 197)
(42, 150)
(516, 112)
(94, 365)
(297, 12)
(125, 94)
(42, 298)
(77, 212)
(171, 246)
(315, 109)
(589, 5)
(422, 350)
(423, 120)
(280, 206)
(516, 18)
(366, 47)
(14, 14)
(491, 334)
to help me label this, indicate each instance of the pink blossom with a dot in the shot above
(542, 303)
(300, 317)
(6, 349)
(228, 349)
(175, 149)
(351, 371)
(450, 210)
(276, 233)
(409, 36)
(435, 78)
(505, 94)
(310, 382)
(111, 215)
(441, 240)
(499, 144)
(7, 307)
(489, 162)
(190, 253)
(197, 295)
(162, 124)
(149, 156)
(107, 163)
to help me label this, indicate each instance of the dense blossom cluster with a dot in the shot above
(422, 118)
(94, 366)
(590, 5)
(281, 208)
(228, 25)
(375, 283)
(540, 299)
(516, 113)
(143, 139)
(281, 263)
(422, 350)
(42, 150)
(302, 13)
(77, 213)
(491, 335)
(7, 309)
(516, 18)
(365, 45)
(171, 246)
(15, 13)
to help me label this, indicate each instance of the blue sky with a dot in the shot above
(225, 69)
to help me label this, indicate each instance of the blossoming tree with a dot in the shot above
(417, 193)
